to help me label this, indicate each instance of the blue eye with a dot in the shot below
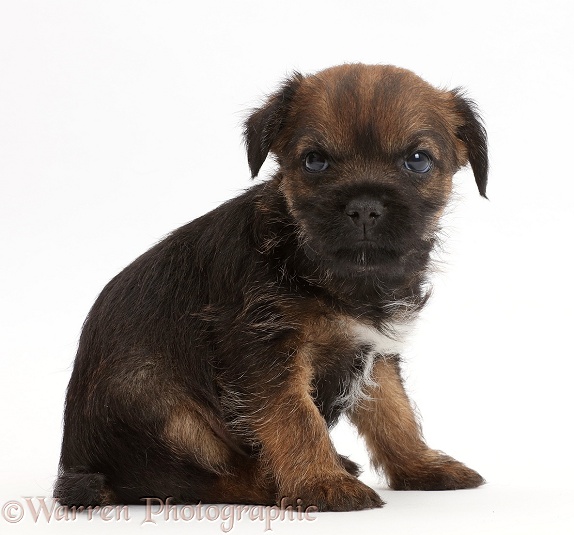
(315, 162)
(419, 162)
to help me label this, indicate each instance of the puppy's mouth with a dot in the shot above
(366, 254)
(362, 256)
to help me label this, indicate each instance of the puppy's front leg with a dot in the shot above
(296, 446)
(394, 439)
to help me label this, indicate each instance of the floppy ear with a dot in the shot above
(473, 134)
(265, 123)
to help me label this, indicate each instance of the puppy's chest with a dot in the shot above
(343, 363)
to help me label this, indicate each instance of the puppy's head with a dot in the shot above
(366, 157)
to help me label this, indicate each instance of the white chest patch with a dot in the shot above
(388, 342)
(379, 344)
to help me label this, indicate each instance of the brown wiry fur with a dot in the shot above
(212, 368)
(187, 431)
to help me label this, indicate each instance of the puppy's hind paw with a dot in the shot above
(350, 466)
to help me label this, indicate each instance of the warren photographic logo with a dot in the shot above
(155, 511)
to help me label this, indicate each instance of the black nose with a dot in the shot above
(364, 212)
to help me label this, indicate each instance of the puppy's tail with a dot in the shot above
(81, 488)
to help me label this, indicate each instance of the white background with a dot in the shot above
(121, 120)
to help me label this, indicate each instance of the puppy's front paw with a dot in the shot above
(334, 493)
(440, 473)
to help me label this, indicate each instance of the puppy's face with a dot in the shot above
(366, 157)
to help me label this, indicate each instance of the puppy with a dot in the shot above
(212, 368)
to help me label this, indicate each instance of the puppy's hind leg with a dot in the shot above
(240, 478)
(237, 476)
(247, 481)
(394, 439)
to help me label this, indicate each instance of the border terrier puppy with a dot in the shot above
(212, 367)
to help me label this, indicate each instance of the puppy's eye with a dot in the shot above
(315, 162)
(419, 162)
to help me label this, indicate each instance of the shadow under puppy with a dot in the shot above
(212, 367)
